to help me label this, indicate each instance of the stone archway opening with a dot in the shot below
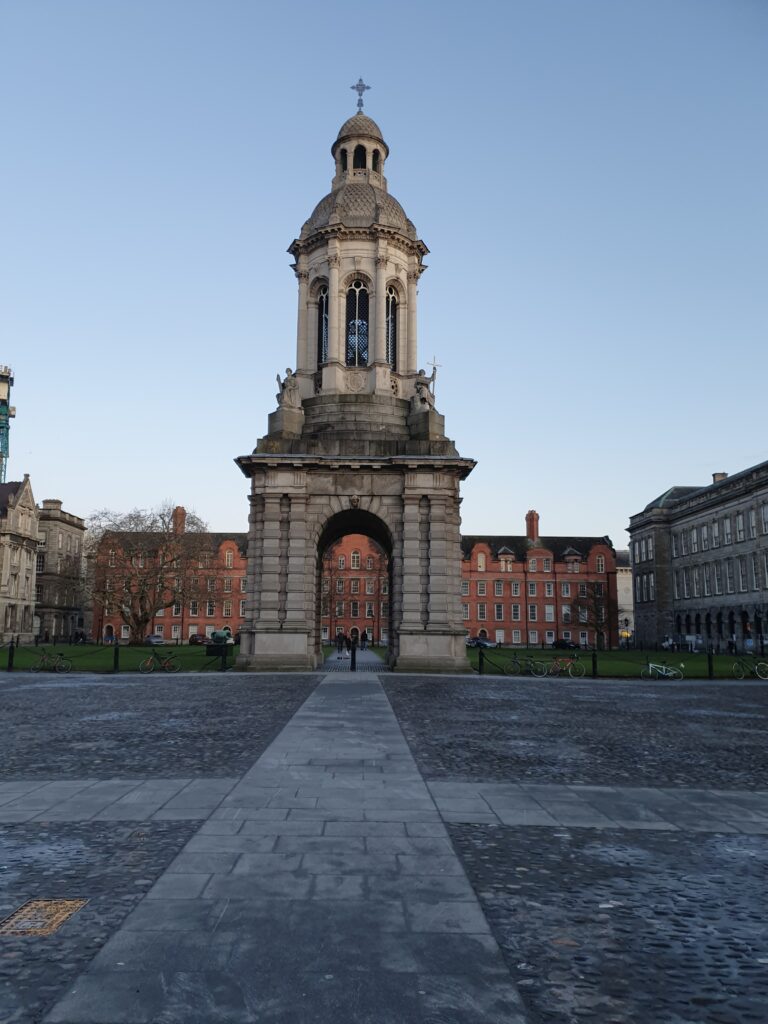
(354, 582)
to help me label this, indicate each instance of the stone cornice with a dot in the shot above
(374, 232)
(267, 460)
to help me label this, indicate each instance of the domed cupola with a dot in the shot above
(358, 262)
(360, 152)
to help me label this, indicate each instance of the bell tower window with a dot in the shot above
(343, 155)
(357, 325)
(358, 160)
(322, 326)
(375, 161)
(391, 327)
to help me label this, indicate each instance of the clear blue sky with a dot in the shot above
(590, 176)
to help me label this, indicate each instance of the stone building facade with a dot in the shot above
(700, 563)
(355, 444)
(18, 550)
(531, 590)
(59, 584)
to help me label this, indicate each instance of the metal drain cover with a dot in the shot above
(40, 917)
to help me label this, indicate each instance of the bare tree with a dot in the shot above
(144, 561)
(591, 610)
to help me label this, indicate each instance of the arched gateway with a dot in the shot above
(355, 445)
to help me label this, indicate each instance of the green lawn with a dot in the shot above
(612, 664)
(93, 658)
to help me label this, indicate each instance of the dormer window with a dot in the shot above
(358, 160)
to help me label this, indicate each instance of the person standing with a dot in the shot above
(339, 645)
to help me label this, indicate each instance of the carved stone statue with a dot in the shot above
(424, 398)
(288, 395)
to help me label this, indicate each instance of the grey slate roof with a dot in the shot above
(519, 546)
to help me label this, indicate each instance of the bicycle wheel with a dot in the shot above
(554, 669)
(738, 670)
(675, 673)
(576, 670)
(646, 673)
(170, 665)
(41, 666)
(512, 668)
(63, 665)
(761, 669)
(147, 665)
(538, 668)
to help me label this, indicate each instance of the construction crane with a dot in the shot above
(7, 412)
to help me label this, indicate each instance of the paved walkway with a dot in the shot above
(323, 888)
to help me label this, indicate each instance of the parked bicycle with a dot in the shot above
(661, 671)
(528, 666)
(744, 667)
(570, 665)
(165, 662)
(52, 663)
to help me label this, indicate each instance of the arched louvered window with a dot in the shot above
(391, 327)
(322, 326)
(375, 160)
(343, 155)
(358, 158)
(357, 325)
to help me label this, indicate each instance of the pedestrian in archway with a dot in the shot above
(339, 645)
(363, 640)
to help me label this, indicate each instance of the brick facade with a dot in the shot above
(532, 590)
(355, 590)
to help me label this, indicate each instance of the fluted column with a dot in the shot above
(413, 280)
(380, 349)
(334, 310)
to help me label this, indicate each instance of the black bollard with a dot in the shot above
(353, 658)
(116, 657)
(710, 663)
(480, 660)
(594, 664)
(11, 651)
(223, 665)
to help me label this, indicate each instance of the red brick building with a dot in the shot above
(532, 590)
(354, 590)
(212, 595)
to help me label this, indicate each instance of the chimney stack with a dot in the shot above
(179, 519)
(717, 477)
(532, 525)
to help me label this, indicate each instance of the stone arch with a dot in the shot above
(340, 522)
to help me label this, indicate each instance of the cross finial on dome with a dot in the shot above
(360, 88)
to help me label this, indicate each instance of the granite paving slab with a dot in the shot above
(337, 905)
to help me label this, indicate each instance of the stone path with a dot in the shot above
(322, 888)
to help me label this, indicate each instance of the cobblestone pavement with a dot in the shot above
(661, 922)
(111, 865)
(630, 927)
(593, 732)
(100, 727)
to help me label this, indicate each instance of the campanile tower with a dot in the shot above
(355, 444)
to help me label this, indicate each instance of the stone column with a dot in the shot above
(380, 349)
(413, 280)
(411, 565)
(335, 352)
(270, 564)
(303, 355)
